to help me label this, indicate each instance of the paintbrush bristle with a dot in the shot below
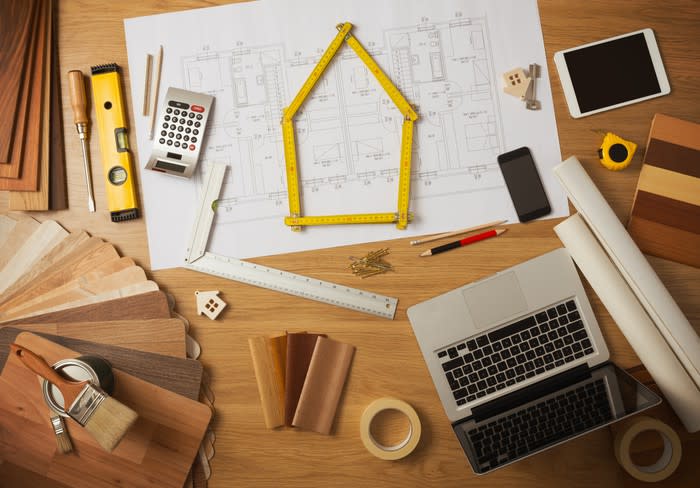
(110, 422)
(62, 437)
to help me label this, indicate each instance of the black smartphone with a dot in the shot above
(524, 184)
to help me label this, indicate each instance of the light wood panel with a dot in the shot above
(388, 361)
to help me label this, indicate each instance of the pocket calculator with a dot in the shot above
(180, 132)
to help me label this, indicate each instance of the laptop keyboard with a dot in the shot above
(504, 357)
(537, 426)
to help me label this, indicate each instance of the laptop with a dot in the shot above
(520, 363)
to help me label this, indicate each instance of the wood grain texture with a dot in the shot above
(58, 190)
(11, 167)
(152, 305)
(15, 33)
(177, 374)
(30, 154)
(248, 455)
(158, 336)
(39, 199)
(156, 452)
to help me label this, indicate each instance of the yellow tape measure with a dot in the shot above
(402, 216)
(114, 143)
(616, 153)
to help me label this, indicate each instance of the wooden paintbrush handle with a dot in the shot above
(37, 364)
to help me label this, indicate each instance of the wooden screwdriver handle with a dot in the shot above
(37, 364)
(78, 101)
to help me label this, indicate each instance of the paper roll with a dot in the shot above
(632, 265)
(402, 449)
(667, 463)
(639, 330)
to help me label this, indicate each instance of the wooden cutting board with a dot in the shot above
(157, 452)
(179, 375)
(158, 336)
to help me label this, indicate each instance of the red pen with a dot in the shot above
(463, 242)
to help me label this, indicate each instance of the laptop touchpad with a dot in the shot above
(495, 300)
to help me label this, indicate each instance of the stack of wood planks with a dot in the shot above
(32, 161)
(68, 293)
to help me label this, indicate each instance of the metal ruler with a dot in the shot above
(199, 259)
(402, 216)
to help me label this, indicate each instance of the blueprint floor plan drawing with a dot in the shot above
(348, 132)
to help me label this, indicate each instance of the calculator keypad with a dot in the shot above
(179, 122)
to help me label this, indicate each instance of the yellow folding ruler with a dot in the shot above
(400, 217)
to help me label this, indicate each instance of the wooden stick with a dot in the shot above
(156, 85)
(457, 232)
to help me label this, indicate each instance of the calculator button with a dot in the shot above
(169, 110)
(197, 108)
(194, 139)
(163, 133)
(161, 141)
(199, 116)
(172, 126)
(166, 118)
(177, 143)
(192, 147)
(187, 130)
(179, 128)
(165, 126)
(170, 142)
(177, 112)
(171, 134)
(191, 115)
(189, 122)
(186, 138)
(197, 124)
(178, 136)
(195, 132)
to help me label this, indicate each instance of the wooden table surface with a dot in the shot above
(388, 361)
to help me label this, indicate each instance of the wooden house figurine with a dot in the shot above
(516, 83)
(209, 303)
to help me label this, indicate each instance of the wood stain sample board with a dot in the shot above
(157, 452)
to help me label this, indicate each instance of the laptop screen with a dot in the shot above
(534, 424)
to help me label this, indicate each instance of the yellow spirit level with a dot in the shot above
(615, 153)
(114, 143)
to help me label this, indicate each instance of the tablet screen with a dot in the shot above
(612, 72)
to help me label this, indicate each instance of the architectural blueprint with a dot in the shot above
(254, 57)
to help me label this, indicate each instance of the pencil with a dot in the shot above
(463, 242)
(457, 232)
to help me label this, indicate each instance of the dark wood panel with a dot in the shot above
(667, 211)
(673, 157)
(665, 242)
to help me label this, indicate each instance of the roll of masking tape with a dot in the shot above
(667, 463)
(403, 448)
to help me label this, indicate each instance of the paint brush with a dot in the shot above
(105, 418)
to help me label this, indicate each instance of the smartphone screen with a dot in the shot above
(524, 184)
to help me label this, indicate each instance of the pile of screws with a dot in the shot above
(371, 264)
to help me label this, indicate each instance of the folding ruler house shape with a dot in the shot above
(402, 215)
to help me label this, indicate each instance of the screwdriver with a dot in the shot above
(78, 101)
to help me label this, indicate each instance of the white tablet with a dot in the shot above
(612, 73)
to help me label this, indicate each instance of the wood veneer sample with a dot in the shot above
(323, 386)
(177, 374)
(300, 348)
(28, 179)
(270, 387)
(16, 239)
(152, 305)
(16, 18)
(665, 216)
(58, 190)
(38, 199)
(11, 167)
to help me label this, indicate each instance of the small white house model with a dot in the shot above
(209, 303)
(516, 83)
